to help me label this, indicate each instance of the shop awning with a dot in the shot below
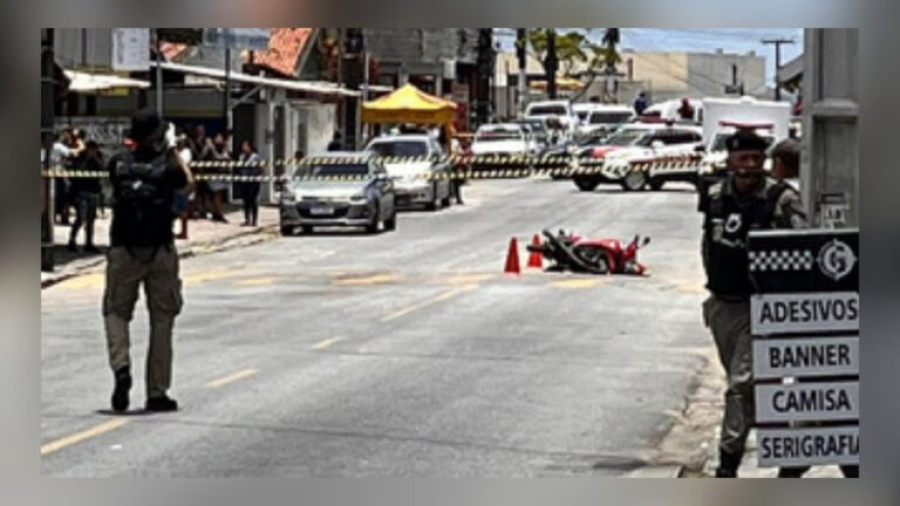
(82, 82)
(409, 105)
(317, 87)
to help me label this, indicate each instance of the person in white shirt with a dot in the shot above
(183, 198)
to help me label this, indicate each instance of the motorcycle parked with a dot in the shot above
(568, 251)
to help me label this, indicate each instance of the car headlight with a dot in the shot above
(288, 196)
(358, 198)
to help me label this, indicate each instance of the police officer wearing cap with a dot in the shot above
(745, 199)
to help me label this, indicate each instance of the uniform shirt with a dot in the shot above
(730, 216)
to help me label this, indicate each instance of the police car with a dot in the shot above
(642, 154)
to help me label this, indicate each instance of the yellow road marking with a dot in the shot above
(577, 283)
(95, 280)
(468, 279)
(203, 277)
(368, 280)
(258, 281)
(67, 441)
(442, 297)
(231, 379)
(326, 343)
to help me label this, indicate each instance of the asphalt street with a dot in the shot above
(403, 354)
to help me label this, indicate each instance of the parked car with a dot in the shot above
(540, 136)
(637, 142)
(422, 179)
(345, 189)
(560, 110)
(606, 118)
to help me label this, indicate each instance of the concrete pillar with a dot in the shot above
(830, 156)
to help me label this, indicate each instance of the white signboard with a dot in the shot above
(804, 312)
(806, 447)
(807, 402)
(805, 357)
(131, 49)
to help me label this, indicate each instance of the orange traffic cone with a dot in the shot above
(536, 259)
(512, 258)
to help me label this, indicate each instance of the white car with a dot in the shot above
(561, 110)
(501, 139)
(420, 180)
(636, 142)
(606, 118)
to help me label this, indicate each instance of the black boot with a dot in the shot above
(161, 404)
(728, 464)
(120, 393)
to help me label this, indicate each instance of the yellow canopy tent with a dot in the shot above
(409, 105)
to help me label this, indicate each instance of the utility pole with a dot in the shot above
(353, 75)
(48, 104)
(551, 64)
(226, 99)
(522, 53)
(485, 66)
(777, 43)
(159, 74)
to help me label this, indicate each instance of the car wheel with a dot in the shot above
(390, 224)
(635, 180)
(586, 184)
(287, 231)
(372, 228)
(433, 205)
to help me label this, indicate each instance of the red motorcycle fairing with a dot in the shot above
(608, 244)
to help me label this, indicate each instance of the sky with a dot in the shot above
(731, 40)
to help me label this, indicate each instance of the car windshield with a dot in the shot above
(498, 135)
(334, 169)
(625, 138)
(719, 141)
(548, 110)
(609, 118)
(399, 148)
(537, 127)
(591, 139)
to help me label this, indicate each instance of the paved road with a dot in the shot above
(403, 354)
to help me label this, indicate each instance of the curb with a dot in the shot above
(656, 472)
(194, 250)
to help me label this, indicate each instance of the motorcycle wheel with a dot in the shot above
(594, 258)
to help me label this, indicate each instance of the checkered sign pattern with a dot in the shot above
(781, 260)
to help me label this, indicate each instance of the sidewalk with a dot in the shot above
(205, 236)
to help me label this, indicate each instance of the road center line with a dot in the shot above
(93, 432)
(326, 343)
(246, 373)
(442, 297)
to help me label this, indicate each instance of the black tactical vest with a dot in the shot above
(729, 219)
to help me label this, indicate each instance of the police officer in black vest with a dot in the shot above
(746, 199)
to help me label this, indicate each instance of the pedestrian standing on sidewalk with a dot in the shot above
(183, 198)
(142, 252)
(202, 150)
(251, 166)
(86, 197)
(745, 200)
(217, 187)
(62, 157)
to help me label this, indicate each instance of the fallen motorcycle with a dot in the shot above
(568, 251)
